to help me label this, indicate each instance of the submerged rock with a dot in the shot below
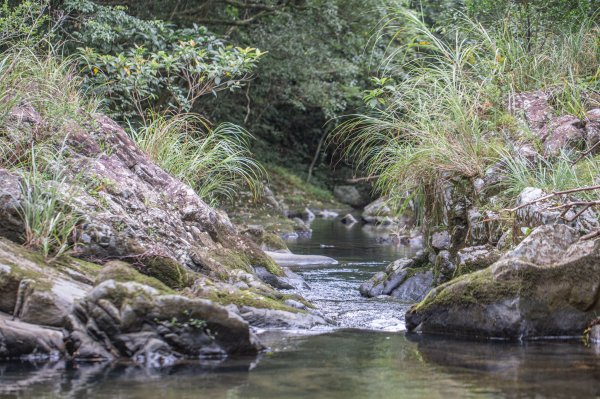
(547, 286)
(289, 259)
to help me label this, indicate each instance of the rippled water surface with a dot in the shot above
(345, 363)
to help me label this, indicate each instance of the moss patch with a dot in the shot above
(166, 270)
(475, 288)
(249, 298)
(123, 272)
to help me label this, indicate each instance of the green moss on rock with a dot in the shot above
(124, 272)
(166, 270)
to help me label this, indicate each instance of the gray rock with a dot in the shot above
(414, 288)
(291, 280)
(351, 195)
(327, 214)
(548, 286)
(445, 264)
(36, 292)
(440, 240)
(11, 225)
(289, 259)
(595, 334)
(538, 214)
(373, 287)
(268, 318)
(404, 279)
(565, 132)
(471, 259)
(26, 341)
(533, 108)
(131, 320)
(136, 210)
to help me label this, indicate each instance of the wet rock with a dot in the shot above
(24, 341)
(290, 280)
(131, 320)
(415, 287)
(327, 214)
(547, 286)
(373, 287)
(349, 220)
(269, 318)
(351, 195)
(404, 279)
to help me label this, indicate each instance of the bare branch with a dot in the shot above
(555, 194)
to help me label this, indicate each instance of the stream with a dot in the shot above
(368, 356)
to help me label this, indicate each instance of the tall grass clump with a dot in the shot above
(50, 88)
(216, 162)
(49, 221)
(558, 174)
(444, 116)
(40, 103)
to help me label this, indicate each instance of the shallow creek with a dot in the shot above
(368, 356)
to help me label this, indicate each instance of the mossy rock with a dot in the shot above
(166, 270)
(249, 298)
(123, 272)
(548, 286)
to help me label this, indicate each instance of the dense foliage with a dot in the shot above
(441, 109)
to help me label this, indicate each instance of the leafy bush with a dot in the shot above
(22, 23)
(135, 65)
(214, 161)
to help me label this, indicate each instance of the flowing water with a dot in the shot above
(367, 357)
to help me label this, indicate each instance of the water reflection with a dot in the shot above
(346, 364)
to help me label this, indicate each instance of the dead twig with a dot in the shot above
(362, 179)
(555, 194)
(593, 234)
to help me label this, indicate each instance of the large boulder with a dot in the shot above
(355, 196)
(547, 286)
(139, 322)
(133, 210)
